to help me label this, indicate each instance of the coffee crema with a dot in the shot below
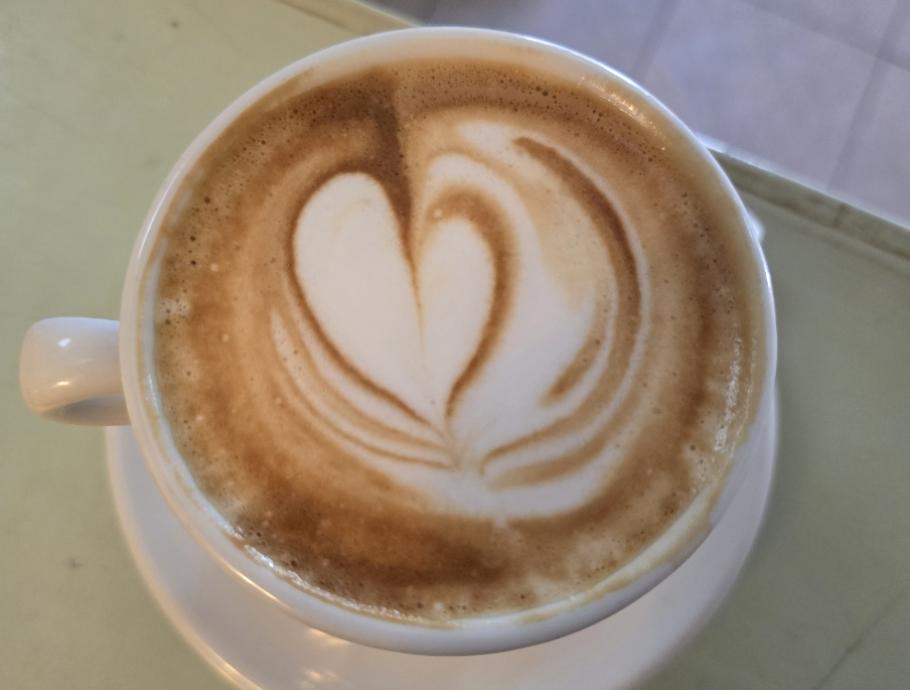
(446, 338)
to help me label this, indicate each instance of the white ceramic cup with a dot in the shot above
(90, 371)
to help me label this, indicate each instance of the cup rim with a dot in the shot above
(497, 632)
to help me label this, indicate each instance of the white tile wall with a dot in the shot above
(610, 30)
(760, 82)
(876, 169)
(858, 22)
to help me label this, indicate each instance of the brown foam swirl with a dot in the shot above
(453, 333)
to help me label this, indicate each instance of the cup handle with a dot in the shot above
(69, 371)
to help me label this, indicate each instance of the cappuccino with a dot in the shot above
(450, 338)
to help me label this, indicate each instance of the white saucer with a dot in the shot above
(255, 644)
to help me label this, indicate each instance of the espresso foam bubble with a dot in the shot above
(453, 333)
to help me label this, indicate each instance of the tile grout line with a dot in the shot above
(896, 61)
(432, 15)
(860, 114)
(899, 19)
(869, 95)
(658, 29)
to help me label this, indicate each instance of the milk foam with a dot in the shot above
(453, 333)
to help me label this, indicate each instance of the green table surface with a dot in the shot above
(97, 100)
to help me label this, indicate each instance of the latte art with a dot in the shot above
(487, 360)
(453, 338)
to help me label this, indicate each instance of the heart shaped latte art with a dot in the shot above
(476, 350)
